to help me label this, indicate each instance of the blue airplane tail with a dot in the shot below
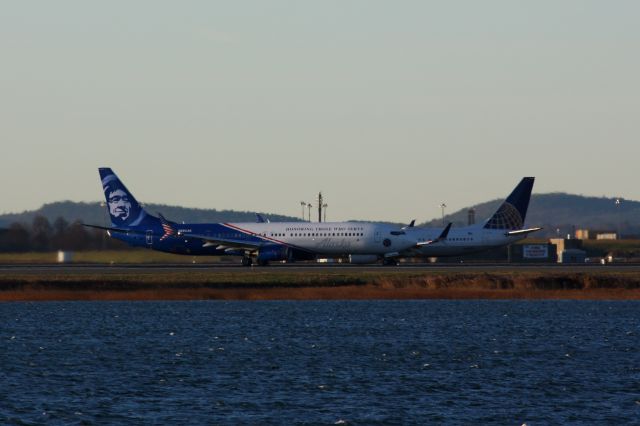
(513, 211)
(124, 210)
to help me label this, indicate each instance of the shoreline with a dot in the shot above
(319, 285)
(316, 293)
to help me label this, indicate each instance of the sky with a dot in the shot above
(388, 108)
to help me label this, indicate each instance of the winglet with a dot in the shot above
(442, 237)
(411, 224)
(445, 232)
(261, 219)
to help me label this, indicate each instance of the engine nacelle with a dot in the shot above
(273, 253)
(361, 259)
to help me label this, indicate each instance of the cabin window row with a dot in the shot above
(277, 234)
(227, 235)
(328, 234)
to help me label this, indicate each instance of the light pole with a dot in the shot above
(319, 206)
(324, 208)
(303, 204)
(309, 206)
(443, 206)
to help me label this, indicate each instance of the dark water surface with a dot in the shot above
(373, 362)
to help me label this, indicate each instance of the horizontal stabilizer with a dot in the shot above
(521, 232)
(442, 237)
(111, 229)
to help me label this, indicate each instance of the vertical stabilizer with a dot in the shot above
(513, 211)
(124, 209)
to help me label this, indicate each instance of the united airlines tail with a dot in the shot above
(513, 211)
(124, 210)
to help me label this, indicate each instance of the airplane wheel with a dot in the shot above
(390, 262)
(246, 261)
(263, 262)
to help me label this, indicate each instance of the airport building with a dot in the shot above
(533, 253)
(591, 234)
(569, 250)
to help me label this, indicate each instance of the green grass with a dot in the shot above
(601, 248)
(624, 248)
(271, 284)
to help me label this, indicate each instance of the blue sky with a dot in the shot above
(389, 108)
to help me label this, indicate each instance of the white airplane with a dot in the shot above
(263, 241)
(504, 227)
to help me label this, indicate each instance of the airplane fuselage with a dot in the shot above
(363, 242)
(325, 238)
(460, 241)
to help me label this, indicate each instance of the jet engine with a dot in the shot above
(273, 253)
(361, 259)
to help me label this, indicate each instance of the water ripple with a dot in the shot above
(352, 363)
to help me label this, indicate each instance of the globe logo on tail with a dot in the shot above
(507, 217)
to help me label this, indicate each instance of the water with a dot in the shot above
(374, 362)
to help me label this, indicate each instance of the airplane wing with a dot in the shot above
(232, 244)
(226, 243)
(442, 237)
(208, 240)
(521, 232)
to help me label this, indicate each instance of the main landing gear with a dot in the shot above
(248, 261)
(389, 262)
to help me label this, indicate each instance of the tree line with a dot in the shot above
(42, 236)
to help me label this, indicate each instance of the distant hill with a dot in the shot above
(551, 211)
(563, 211)
(93, 213)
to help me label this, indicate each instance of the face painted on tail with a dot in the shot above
(123, 208)
(119, 205)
